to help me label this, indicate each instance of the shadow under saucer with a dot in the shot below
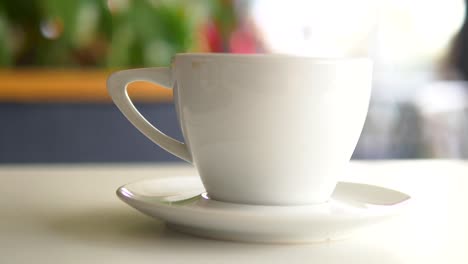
(119, 227)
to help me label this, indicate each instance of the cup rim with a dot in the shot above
(272, 56)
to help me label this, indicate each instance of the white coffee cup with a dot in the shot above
(260, 129)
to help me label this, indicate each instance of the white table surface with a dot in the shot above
(70, 214)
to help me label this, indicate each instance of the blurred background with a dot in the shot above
(55, 56)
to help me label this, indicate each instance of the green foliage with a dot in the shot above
(95, 33)
(5, 50)
(150, 34)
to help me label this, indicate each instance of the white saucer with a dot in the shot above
(177, 201)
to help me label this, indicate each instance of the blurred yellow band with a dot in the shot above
(80, 86)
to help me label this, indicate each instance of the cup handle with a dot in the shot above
(117, 88)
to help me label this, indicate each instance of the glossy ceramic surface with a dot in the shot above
(258, 126)
(177, 201)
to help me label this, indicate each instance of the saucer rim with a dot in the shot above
(236, 209)
(264, 223)
(204, 194)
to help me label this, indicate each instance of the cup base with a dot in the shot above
(281, 202)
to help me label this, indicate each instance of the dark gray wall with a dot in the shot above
(80, 133)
